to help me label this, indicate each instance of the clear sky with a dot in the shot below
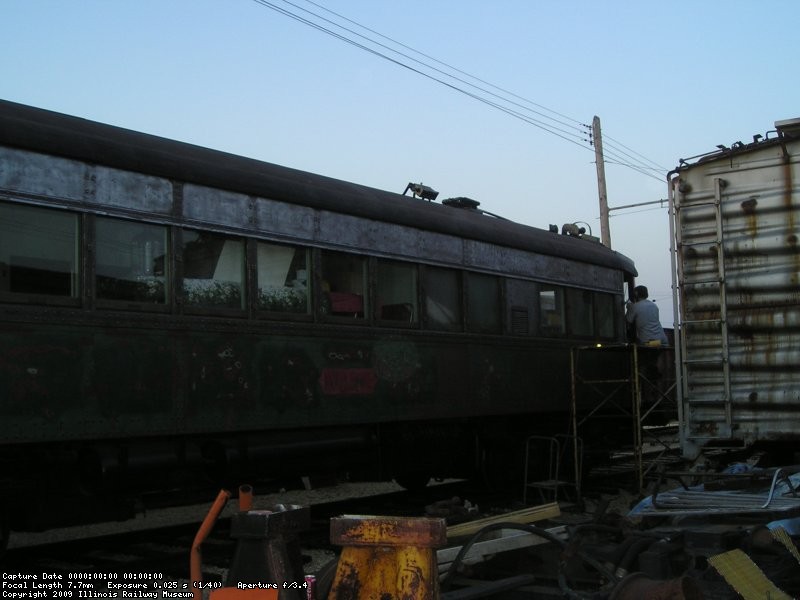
(668, 80)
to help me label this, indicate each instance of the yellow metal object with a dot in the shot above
(744, 576)
(387, 558)
(782, 536)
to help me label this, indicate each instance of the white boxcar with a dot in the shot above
(735, 218)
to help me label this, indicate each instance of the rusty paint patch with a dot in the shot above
(348, 584)
(388, 531)
(412, 583)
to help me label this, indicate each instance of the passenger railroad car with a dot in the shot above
(172, 315)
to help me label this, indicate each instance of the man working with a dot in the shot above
(644, 315)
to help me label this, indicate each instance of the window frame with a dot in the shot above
(560, 309)
(123, 304)
(458, 322)
(210, 309)
(77, 276)
(614, 301)
(522, 296)
(322, 298)
(281, 315)
(471, 283)
(415, 321)
(571, 304)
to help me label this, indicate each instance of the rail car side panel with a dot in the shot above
(76, 383)
(737, 221)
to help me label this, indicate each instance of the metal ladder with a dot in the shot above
(685, 362)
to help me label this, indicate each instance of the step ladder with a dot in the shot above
(555, 450)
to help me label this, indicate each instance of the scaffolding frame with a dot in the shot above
(619, 393)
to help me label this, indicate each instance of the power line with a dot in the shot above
(535, 122)
(456, 69)
(549, 127)
(636, 212)
(612, 150)
(621, 161)
(567, 132)
(655, 167)
(633, 163)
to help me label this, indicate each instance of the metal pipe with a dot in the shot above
(673, 179)
(245, 497)
(631, 554)
(778, 473)
(543, 533)
(196, 556)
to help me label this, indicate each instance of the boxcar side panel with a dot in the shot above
(736, 224)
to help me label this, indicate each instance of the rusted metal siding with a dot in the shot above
(736, 233)
(50, 179)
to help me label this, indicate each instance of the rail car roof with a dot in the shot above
(786, 131)
(53, 133)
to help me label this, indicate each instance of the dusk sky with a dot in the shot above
(473, 98)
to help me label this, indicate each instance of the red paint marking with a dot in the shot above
(348, 382)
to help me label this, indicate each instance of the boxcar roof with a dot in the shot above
(48, 132)
(785, 132)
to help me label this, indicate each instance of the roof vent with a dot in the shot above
(788, 127)
(462, 202)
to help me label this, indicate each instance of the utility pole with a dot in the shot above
(605, 234)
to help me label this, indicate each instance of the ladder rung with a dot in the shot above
(715, 242)
(703, 361)
(718, 281)
(698, 401)
(697, 204)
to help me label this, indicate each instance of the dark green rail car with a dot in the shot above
(174, 316)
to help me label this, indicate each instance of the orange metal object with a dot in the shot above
(196, 558)
(387, 557)
(245, 497)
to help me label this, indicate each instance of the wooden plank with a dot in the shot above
(526, 515)
(511, 539)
